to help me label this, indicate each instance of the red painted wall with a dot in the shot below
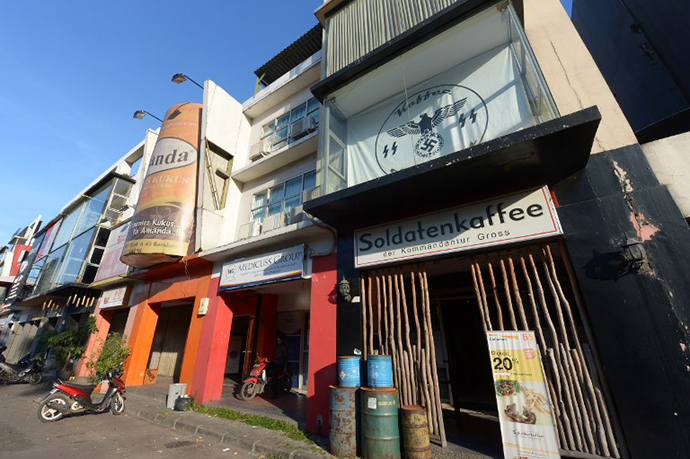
(18, 250)
(322, 358)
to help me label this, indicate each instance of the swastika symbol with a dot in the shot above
(429, 144)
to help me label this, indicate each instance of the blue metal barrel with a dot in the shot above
(343, 421)
(348, 371)
(380, 371)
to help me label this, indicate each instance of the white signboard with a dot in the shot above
(114, 297)
(512, 218)
(286, 264)
(525, 412)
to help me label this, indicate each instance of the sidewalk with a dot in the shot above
(257, 440)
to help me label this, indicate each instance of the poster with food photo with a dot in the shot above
(524, 409)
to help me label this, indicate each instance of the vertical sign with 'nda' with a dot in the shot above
(162, 224)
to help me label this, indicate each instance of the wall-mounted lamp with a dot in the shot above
(344, 289)
(181, 78)
(634, 255)
(139, 114)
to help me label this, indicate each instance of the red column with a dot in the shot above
(96, 340)
(268, 328)
(322, 366)
(209, 370)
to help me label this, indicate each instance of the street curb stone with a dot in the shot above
(261, 445)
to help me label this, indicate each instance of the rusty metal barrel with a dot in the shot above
(415, 432)
(343, 421)
(380, 432)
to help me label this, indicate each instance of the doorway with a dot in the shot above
(167, 349)
(239, 348)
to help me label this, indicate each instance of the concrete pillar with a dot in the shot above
(213, 348)
(322, 342)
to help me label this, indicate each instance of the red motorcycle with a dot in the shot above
(69, 398)
(258, 380)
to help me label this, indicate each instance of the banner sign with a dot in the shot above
(111, 267)
(163, 221)
(114, 297)
(461, 107)
(282, 265)
(513, 218)
(524, 410)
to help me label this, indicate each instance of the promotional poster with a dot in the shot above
(161, 228)
(524, 408)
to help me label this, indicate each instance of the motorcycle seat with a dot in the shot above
(86, 388)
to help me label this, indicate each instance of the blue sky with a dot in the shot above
(74, 72)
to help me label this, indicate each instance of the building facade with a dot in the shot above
(439, 133)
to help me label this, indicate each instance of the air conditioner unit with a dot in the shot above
(302, 127)
(248, 230)
(259, 150)
(294, 215)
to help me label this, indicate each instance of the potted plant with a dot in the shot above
(110, 354)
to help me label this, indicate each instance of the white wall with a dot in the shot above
(671, 164)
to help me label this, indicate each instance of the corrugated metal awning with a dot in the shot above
(289, 58)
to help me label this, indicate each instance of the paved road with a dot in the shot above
(91, 436)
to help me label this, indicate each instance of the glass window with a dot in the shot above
(68, 224)
(52, 261)
(312, 105)
(298, 112)
(37, 243)
(259, 200)
(276, 194)
(35, 271)
(93, 209)
(309, 180)
(48, 240)
(268, 129)
(293, 187)
(282, 122)
(76, 253)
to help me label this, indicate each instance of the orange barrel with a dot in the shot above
(415, 432)
(343, 420)
(380, 432)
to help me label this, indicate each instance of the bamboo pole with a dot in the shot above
(401, 362)
(419, 359)
(434, 373)
(494, 288)
(425, 394)
(386, 347)
(482, 290)
(365, 331)
(479, 295)
(601, 430)
(431, 400)
(391, 320)
(518, 298)
(570, 436)
(509, 300)
(378, 314)
(413, 379)
(371, 317)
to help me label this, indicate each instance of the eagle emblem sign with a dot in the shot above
(430, 123)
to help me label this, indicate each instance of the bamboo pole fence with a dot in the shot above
(526, 289)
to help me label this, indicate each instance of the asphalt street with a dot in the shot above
(89, 436)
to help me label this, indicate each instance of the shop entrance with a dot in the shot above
(169, 339)
(432, 318)
(239, 348)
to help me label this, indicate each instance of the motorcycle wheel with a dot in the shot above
(248, 390)
(117, 404)
(35, 378)
(48, 414)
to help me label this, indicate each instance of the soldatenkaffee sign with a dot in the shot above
(504, 220)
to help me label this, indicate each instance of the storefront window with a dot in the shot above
(469, 84)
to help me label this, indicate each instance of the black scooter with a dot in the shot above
(26, 370)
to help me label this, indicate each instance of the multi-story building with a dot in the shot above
(52, 289)
(257, 267)
(445, 138)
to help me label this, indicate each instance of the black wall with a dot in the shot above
(640, 46)
(640, 320)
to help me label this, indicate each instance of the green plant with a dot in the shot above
(109, 355)
(291, 430)
(69, 345)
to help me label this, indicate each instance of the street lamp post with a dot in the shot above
(139, 114)
(181, 78)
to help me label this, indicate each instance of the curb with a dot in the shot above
(259, 447)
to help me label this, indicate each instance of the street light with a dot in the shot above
(181, 78)
(139, 114)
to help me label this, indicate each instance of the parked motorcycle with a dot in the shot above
(69, 398)
(26, 370)
(258, 380)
